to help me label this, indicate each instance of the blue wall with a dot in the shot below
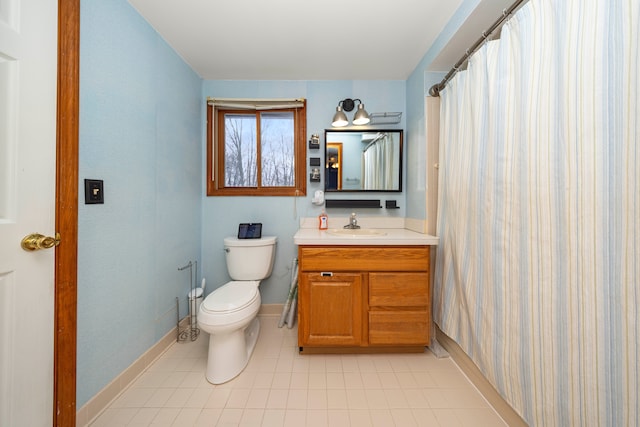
(142, 115)
(140, 132)
(417, 86)
(280, 216)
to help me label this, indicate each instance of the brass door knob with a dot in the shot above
(35, 241)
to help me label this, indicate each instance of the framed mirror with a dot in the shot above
(363, 160)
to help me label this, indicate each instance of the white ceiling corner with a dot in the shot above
(299, 40)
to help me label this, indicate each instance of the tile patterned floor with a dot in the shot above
(280, 387)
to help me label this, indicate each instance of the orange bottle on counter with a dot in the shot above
(323, 221)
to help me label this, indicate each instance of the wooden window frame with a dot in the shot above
(215, 175)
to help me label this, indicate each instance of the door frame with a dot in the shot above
(66, 261)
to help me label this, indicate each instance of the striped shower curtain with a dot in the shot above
(380, 170)
(538, 269)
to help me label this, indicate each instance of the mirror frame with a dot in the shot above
(328, 144)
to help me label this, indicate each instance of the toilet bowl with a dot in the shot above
(226, 314)
(229, 313)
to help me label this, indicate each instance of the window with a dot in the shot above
(256, 147)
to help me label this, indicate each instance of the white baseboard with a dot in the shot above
(94, 407)
(270, 310)
(508, 414)
(98, 403)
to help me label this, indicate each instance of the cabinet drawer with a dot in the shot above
(399, 327)
(364, 258)
(399, 289)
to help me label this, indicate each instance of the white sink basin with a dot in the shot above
(357, 232)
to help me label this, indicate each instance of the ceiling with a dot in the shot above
(299, 40)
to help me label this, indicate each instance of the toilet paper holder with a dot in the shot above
(191, 331)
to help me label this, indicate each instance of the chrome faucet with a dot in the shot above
(353, 222)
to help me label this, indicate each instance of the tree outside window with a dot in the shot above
(255, 152)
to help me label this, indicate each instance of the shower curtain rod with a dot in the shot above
(378, 137)
(506, 13)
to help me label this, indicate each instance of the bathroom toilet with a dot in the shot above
(229, 313)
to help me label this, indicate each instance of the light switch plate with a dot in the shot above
(93, 191)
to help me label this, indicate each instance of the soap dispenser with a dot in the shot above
(323, 221)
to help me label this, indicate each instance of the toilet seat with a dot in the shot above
(232, 296)
(231, 302)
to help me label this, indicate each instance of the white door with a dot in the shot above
(28, 57)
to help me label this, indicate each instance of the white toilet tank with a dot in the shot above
(250, 259)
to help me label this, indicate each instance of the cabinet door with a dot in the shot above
(330, 309)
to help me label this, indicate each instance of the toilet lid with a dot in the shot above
(231, 296)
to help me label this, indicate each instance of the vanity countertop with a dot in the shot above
(393, 235)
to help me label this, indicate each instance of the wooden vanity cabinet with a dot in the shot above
(363, 298)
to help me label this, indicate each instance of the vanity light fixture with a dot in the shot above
(361, 117)
(340, 118)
